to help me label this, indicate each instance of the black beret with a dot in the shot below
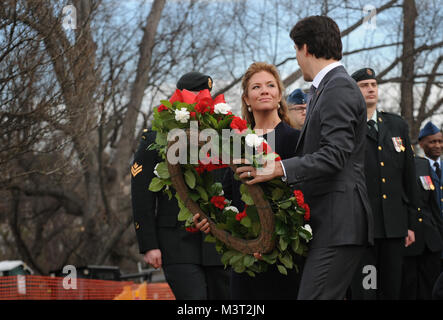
(194, 81)
(363, 74)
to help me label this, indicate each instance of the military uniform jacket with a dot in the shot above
(390, 177)
(429, 225)
(155, 216)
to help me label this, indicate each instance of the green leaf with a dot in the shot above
(239, 268)
(190, 178)
(246, 197)
(286, 260)
(184, 214)
(162, 170)
(246, 221)
(250, 273)
(202, 192)
(216, 188)
(277, 193)
(270, 258)
(280, 228)
(194, 196)
(161, 139)
(156, 184)
(235, 259)
(248, 260)
(210, 238)
(227, 256)
(283, 244)
(285, 204)
(282, 269)
(166, 103)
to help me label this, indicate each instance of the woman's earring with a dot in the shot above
(249, 109)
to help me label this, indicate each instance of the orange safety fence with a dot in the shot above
(32, 287)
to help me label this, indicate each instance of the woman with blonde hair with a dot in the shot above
(265, 109)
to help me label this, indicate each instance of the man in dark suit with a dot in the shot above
(390, 180)
(192, 267)
(329, 163)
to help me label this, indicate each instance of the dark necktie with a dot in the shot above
(371, 130)
(311, 95)
(437, 169)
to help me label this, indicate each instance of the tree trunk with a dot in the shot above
(407, 70)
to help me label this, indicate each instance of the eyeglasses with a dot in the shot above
(298, 108)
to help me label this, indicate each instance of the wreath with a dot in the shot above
(274, 220)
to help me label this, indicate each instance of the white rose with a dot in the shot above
(155, 170)
(222, 108)
(308, 228)
(182, 115)
(253, 140)
(232, 208)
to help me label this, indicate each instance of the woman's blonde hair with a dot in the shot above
(253, 69)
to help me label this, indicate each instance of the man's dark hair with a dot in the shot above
(322, 36)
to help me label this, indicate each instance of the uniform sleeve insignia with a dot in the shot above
(136, 169)
(398, 144)
(426, 183)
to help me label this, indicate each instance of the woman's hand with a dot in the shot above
(154, 258)
(203, 225)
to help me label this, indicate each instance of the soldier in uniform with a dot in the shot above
(297, 108)
(391, 184)
(192, 267)
(421, 266)
(431, 141)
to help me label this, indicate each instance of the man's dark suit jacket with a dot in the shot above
(429, 225)
(155, 216)
(329, 163)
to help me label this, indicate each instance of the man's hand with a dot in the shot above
(154, 258)
(203, 225)
(272, 169)
(410, 239)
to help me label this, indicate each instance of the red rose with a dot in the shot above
(241, 215)
(218, 201)
(277, 159)
(192, 229)
(307, 216)
(162, 108)
(205, 105)
(264, 147)
(192, 114)
(299, 197)
(239, 125)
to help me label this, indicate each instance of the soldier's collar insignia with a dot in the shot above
(136, 169)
